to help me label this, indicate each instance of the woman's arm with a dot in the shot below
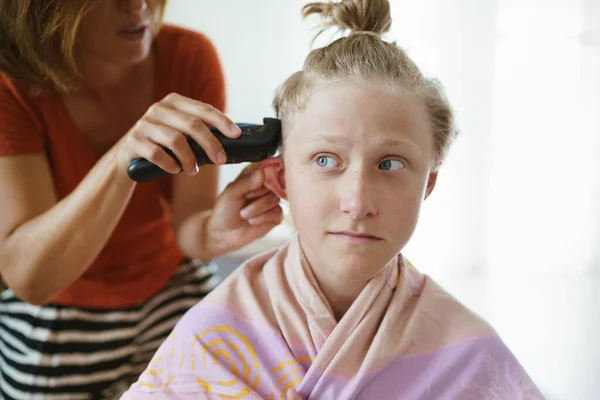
(45, 245)
(193, 199)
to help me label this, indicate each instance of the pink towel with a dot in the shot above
(268, 328)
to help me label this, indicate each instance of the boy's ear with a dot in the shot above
(431, 183)
(274, 176)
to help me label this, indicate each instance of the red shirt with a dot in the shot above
(142, 254)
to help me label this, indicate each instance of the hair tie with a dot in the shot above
(375, 34)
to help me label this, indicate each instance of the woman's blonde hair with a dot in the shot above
(38, 39)
(364, 55)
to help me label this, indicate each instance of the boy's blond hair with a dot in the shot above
(364, 56)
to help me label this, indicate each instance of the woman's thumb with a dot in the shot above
(246, 183)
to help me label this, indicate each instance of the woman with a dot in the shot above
(99, 268)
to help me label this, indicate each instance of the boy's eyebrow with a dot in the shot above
(332, 139)
(392, 142)
(384, 142)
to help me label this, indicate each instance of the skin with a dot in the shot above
(357, 164)
(47, 243)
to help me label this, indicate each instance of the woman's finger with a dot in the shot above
(259, 206)
(260, 230)
(177, 143)
(275, 215)
(191, 125)
(154, 153)
(257, 193)
(248, 169)
(206, 112)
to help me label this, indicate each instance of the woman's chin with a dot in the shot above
(129, 54)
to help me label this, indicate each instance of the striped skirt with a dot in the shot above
(58, 352)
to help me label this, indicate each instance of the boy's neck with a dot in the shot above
(340, 294)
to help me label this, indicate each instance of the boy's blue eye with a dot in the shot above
(391, 165)
(326, 162)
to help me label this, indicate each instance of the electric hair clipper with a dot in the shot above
(256, 143)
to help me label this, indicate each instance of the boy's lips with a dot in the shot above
(358, 237)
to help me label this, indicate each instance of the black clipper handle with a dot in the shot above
(256, 143)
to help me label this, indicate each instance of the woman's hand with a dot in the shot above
(166, 124)
(244, 211)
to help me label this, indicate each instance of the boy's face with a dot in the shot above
(358, 164)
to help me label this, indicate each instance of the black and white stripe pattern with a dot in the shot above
(57, 352)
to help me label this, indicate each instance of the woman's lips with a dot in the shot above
(135, 33)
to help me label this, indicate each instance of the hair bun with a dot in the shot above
(360, 16)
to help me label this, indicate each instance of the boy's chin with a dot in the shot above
(358, 267)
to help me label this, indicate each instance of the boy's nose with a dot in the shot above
(357, 196)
